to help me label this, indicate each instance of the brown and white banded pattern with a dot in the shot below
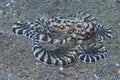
(64, 31)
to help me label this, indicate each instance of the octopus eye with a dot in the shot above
(92, 53)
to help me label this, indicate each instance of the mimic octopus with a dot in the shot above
(60, 41)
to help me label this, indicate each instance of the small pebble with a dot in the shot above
(1, 11)
(117, 64)
(97, 77)
(61, 68)
(8, 4)
(119, 24)
(119, 72)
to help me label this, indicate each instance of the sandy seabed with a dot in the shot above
(16, 59)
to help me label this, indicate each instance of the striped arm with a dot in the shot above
(87, 18)
(30, 30)
(19, 28)
(36, 32)
(25, 29)
(53, 57)
(102, 33)
(92, 53)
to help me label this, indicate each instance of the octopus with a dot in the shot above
(60, 41)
